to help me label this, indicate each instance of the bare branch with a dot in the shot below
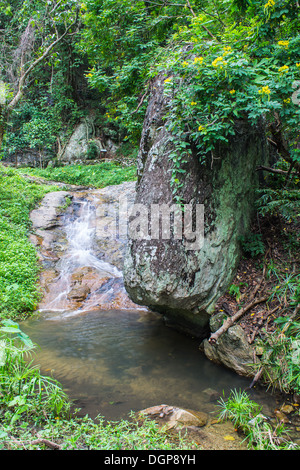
(27, 72)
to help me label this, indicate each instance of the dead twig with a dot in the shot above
(295, 312)
(47, 443)
(39, 441)
(231, 320)
(252, 302)
(141, 101)
(256, 378)
(202, 25)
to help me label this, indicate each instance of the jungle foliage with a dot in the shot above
(223, 61)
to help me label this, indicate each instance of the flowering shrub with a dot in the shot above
(250, 79)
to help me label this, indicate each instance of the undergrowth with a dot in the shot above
(100, 175)
(18, 259)
(260, 432)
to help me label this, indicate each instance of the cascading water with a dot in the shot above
(81, 274)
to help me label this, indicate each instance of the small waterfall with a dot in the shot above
(80, 235)
(84, 282)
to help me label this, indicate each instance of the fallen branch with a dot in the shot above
(251, 340)
(38, 441)
(256, 378)
(47, 443)
(231, 320)
(295, 313)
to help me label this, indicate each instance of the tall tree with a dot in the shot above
(30, 32)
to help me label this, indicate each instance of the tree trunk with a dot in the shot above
(2, 131)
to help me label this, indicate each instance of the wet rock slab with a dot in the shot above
(46, 215)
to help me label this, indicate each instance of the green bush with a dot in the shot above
(24, 391)
(280, 360)
(18, 260)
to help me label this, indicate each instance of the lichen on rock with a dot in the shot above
(163, 274)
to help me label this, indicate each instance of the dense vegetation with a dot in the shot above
(18, 258)
(222, 61)
(98, 176)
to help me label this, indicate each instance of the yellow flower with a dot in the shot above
(287, 101)
(200, 128)
(283, 69)
(270, 3)
(167, 80)
(193, 103)
(227, 50)
(283, 44)
(219, 61)
(232, 92)
(89, 75)
(184, 64)
(298, 64)
(198, 60)
(265, 90)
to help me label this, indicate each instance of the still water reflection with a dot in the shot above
(112, 362)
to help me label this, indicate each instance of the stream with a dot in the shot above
(110, 355)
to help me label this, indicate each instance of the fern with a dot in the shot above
(283, 202)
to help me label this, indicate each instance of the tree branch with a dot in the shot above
(231, 320)
(278, 142)
(202, 25)
(272, 170)
(26, 73)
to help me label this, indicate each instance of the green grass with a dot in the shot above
(98, 176)
(260, 433)
(18, 259)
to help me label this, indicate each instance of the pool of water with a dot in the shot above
(113, 362)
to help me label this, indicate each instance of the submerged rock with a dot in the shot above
(168, 275)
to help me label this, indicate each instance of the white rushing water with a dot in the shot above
(80, 235)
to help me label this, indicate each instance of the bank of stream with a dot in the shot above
(110, 355)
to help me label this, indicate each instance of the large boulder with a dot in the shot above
(166, 274)
(232, 348)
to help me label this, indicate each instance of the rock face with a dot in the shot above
(46, 216)
(232, 348)
(166, 275)
(80, 142)
(77, 146)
